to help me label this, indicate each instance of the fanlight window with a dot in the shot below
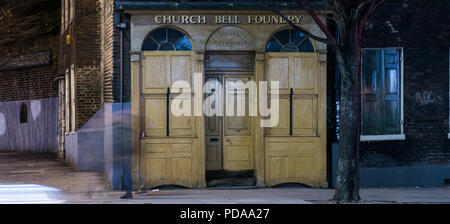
(289, 40)
(167, 39)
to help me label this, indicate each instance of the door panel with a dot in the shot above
(237, 147)
(293, 70)
(290, 160)
(169, 162)
(304, 119)
(182, 126)
(179, 65)
(154, 73)
(304, 74)
(155, 116)
(213, 129)
(238, 153)
(282, 128)
(278, 70)
(161, 69)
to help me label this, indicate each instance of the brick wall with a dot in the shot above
(111, 51)
(87, 43)
(33, 82)
(109, 44)
(84, 52)
(423, 30)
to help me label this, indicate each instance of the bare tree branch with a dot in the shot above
(307, 33)
(321, 25)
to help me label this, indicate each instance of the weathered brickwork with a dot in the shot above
(34, 82)
(109, 45)
(84, 52)
(422, 29)
(111, 51)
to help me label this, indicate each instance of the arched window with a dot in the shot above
(23, 113)
(167, 39)
(289, 40)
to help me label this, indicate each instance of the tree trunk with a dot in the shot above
(347, 183)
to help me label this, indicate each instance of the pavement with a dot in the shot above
(92, 188)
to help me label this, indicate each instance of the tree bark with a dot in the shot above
(347, 183)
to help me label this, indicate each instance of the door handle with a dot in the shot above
(228, 140)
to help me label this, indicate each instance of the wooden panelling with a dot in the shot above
(238, 153)
(180, 68)
(282, 129)
(237, 131)
(304, 74)
(155, 116)
(161, 69)
(155, 73)
(290, 159)
(182, 126)
(304, 119)
(293, 70)
(298, 156)
(213, 153)
(173, 159)
(169, 161)
(278, 70)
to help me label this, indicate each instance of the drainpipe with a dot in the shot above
(122, 26)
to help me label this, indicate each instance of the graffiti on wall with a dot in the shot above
(427, 97)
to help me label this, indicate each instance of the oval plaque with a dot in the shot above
(230, 38)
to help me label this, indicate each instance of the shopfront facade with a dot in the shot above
(216, 48)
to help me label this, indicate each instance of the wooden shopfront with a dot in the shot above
(221, 46)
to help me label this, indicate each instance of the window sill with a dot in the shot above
(367, 138)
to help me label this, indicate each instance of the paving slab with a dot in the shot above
(91, 188)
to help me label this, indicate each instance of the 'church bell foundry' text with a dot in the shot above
(201, 19)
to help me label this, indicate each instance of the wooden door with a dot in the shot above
(237, 131)
(169, 147)
(293, 147)
(213, 125)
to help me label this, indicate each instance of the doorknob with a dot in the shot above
(228, 140)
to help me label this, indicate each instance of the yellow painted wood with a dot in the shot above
(213, 132)
(181, 159)
(293, 70)
(155, 116)
(169, 162)
(290, 159)
(174, 159)
(200, 151)
(135, 121)
(299, 157)
(256, 127)
(182, 126)
(237, 131)
(162, 68)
